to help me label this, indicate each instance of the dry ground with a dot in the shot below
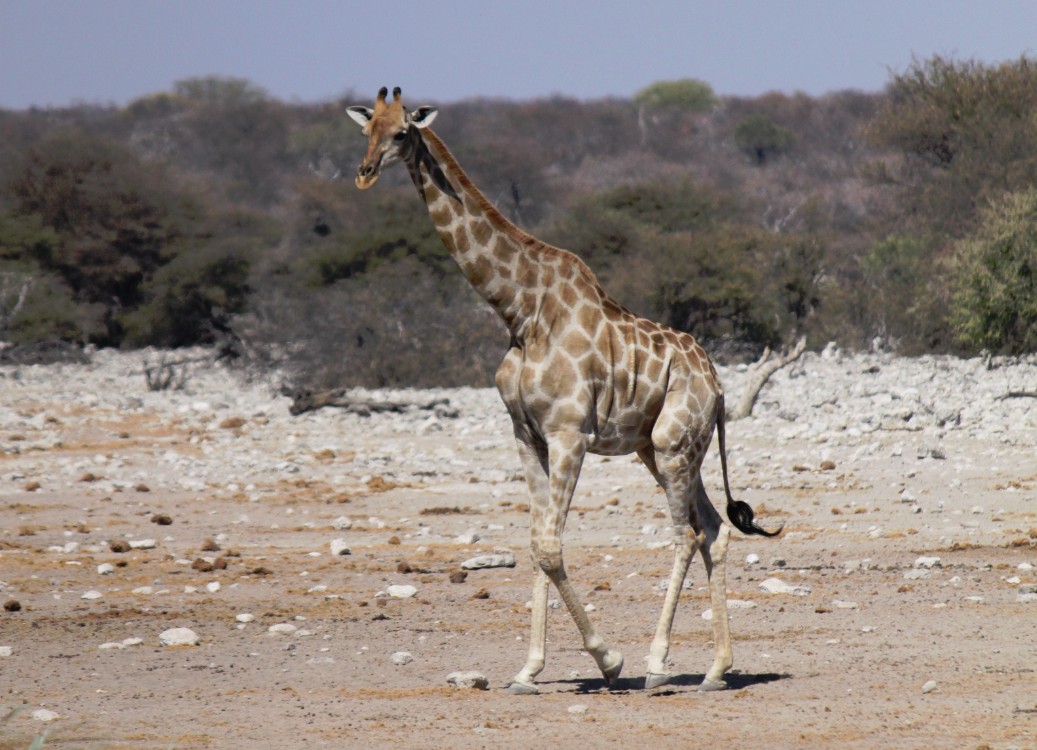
(89, 458)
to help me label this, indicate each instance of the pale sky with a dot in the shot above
(59, 52)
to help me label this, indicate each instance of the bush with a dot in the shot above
(994, 302)
(686, 94)
(762, 139)
(906, 304)
(396, 326)
(190, 298)
(967, 132)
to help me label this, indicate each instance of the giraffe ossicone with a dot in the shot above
(582, 375)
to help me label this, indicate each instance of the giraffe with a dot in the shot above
(582, 375)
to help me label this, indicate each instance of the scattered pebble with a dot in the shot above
(44, 714)
(778, 586)
(505, 560)
(6, 650)
(402, 657)
(927, 562)
(731, 604)
(92, 594)
(143, 544)
(468, 680)
(178, 637)
(916, 574)
(929, 687)
(105, 569)
(577, 708)
(12, 605)
(245, 617)
(282, 628)
(401, 591)
(339, 547)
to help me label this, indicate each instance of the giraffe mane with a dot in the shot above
(493, 214)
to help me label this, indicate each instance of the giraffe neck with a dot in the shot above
(500, 261)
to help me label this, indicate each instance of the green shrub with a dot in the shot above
(994, 302)
(191, 297)
(761, 138)
(687, 94)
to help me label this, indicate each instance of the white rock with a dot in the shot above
(105, 569)
(178, 637)
(44, 714)
(844, 605)
(577, 708)
(92, 594)
(929, 687)
(245, 617)
(282, 628)
(504, 560)
(752, 559)
(341, 524)
(212, 587)
(339, 547)
(1026, 597)
(917, 574)
(132, 642)
(731, 604)
(142, 544)
(143, 590)
(402, 657)
(111, 646)
(927, 562)
(401, 591)
(469, 680)
(778, 586)
(468, 538)
(6, 650)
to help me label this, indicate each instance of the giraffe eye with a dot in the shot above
(400, 136)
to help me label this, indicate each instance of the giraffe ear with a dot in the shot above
(422, 117)
(362, 115)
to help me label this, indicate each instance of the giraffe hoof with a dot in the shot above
(709, 686)
(523, 688)
(612, 665)
(655, 679)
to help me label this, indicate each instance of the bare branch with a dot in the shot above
(304, 400)
(759, 373)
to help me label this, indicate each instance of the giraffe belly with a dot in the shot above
(624, 431)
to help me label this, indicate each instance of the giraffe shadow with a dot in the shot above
(735, 681)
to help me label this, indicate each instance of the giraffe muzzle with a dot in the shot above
(366, 175)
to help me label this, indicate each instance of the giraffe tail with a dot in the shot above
(739, 512)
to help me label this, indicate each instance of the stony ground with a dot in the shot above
(908, 489)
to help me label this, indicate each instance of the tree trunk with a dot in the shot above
(760, 372)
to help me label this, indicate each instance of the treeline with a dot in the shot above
(212, 213)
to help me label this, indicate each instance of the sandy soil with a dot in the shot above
(872, 462)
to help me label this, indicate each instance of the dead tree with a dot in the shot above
(760, 372)
(304, 400)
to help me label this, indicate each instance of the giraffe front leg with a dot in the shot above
(686, 542)
(566, 451)
(523, 684)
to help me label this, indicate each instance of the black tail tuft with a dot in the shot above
(741, 515)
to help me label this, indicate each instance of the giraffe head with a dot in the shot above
(388, 127)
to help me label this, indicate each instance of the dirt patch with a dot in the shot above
(256, 497)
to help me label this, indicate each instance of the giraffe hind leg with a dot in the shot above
(714, 555)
